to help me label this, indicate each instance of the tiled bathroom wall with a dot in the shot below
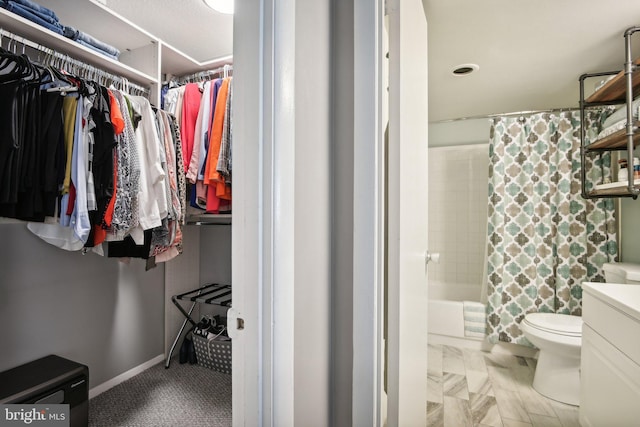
(458, 179)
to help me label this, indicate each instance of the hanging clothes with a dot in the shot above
(167, 241)
(208, 164)
(218, 193)
(88, 164)
(126, 176)
(202, 130)
(190, 108)
(84, 164)
(152, 203)
(224, 158)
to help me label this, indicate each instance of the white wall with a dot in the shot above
(458, 132)
(312, 230)
(458, 187)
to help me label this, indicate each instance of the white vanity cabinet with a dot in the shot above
(610, 361)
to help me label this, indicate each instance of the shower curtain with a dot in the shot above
(544, 239)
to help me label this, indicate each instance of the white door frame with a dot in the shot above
(407, 214)
(251, 227)
(266, 212)
(264, 216)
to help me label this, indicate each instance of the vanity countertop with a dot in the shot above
(623, 297)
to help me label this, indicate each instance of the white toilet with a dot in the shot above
(621, 272)
(559, 338)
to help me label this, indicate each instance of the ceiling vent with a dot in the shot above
(465, 69)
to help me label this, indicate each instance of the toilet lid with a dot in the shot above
(562, 324)
(627, 270)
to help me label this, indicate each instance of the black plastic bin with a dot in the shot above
(50, 380)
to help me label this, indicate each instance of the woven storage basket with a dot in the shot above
(213, 354)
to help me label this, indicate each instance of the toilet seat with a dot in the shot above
(560, 324)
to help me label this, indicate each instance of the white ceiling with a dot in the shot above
(530, 52)
(187, 25)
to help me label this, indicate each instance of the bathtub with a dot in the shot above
(445, 315)
(446, 320)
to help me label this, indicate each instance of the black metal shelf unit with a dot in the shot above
(620, 89)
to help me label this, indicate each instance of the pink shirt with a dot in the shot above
(190, 108)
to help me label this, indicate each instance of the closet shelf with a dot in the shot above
(144, 57)
(176, 63)
(47, 38)
(139, 47)
(209, 219)
(93, 17)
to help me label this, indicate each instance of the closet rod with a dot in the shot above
(90, 70)
(203, 75)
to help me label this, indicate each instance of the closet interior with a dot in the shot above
(112, 315)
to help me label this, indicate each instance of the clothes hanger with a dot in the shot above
(22, 68)
(8, 58)
(53, 80)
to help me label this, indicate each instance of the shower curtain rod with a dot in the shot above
(66, 59)
(515, 113)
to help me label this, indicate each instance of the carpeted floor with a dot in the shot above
(183, 395)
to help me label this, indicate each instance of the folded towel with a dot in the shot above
(475, 319)
(621, 114)
(613, 128)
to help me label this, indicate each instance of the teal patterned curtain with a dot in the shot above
(544, 239)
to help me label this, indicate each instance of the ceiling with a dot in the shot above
(530, 52)
(187, 25)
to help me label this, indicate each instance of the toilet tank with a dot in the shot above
(622, 272)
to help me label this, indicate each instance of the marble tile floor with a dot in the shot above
(475, 388)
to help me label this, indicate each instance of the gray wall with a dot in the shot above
(94, 310)
(215, 261)
(630, 230)
(215, 254)
(342, 214)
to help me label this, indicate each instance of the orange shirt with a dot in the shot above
(211, 175)
(116, 115)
